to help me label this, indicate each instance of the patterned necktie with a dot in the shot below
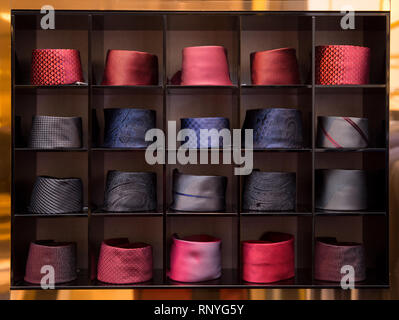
(59, 255)
(126, 128)
(269, 260)
(342, 132)
(274, 128)
(121, 262)
(269, 191)
(130, 68)
(275, 67)
(205, 65)
(331, 256)
(338, 189)
(56, 67)
(130, 191)
(195, 258)
(342, 64)
(56, 195)
(214, 140)
(198, 193)
(55, 132)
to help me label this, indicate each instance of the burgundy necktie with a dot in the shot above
(59, 255)
(56, 67)
(269, 260)
(130, 68)
(195, 258)
(342, 64)
(274, 67)
(331, 256)
(204, 65)
(121, 262)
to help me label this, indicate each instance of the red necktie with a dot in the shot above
(56, 67)
(271, 67)
(130, 68)
(336, 65)
(269, 260)
(121, 262)
(60, 255)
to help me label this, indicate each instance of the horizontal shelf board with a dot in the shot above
(276, 213)
(350, 149)
(225, 213)
(349, 212)
(99, 213)
(117, 149)
(281, 150)
(52, 150)
(276, 86)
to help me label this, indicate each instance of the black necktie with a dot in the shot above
(198, 193)
(270, 191)
(55, 132)
(130, 191)
(56, 195)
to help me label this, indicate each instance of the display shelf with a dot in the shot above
(165, 34)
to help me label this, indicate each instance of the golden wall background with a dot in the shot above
(199, 5)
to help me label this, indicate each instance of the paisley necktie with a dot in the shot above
(198, 193)
(338, 189)
(55, 132)
(214, 125)
(126, 128)
(130, 191)
(195, 258)
(275, 67)
(269, 191)
(342, 64)
(274, 128)
(270, 259)
(331, 256)
(130, 68)
(56, 195)
(342, 132)
(204, 65)
(59, 255)
(121, 262)
(56, 67)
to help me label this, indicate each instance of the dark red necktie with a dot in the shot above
(59, 255)
(130, 68)
(274, 67)
(342, 64)
(56, 67)
(269, 260)
(121, 262)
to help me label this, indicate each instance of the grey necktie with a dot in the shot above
(55, 132)
(198, 193)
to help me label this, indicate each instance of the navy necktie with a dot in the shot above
(130, 191)
(196, 124)
(198, 193)
(275, 127)
(126, 128)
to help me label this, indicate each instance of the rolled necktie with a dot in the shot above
(198, 193)
(274, 67)
(331, 256)
(59, 255)
(195, 258)
(56, 195)
(269, 191)
(342, 132)
(338, 189)
(130, 68)
(130, 191)
(55, 132)
(214, 140)
(126, 128)
(342, 64)
(121, 262)
(270, 259)
(205, 65)
(56, 67)
(275, 127)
